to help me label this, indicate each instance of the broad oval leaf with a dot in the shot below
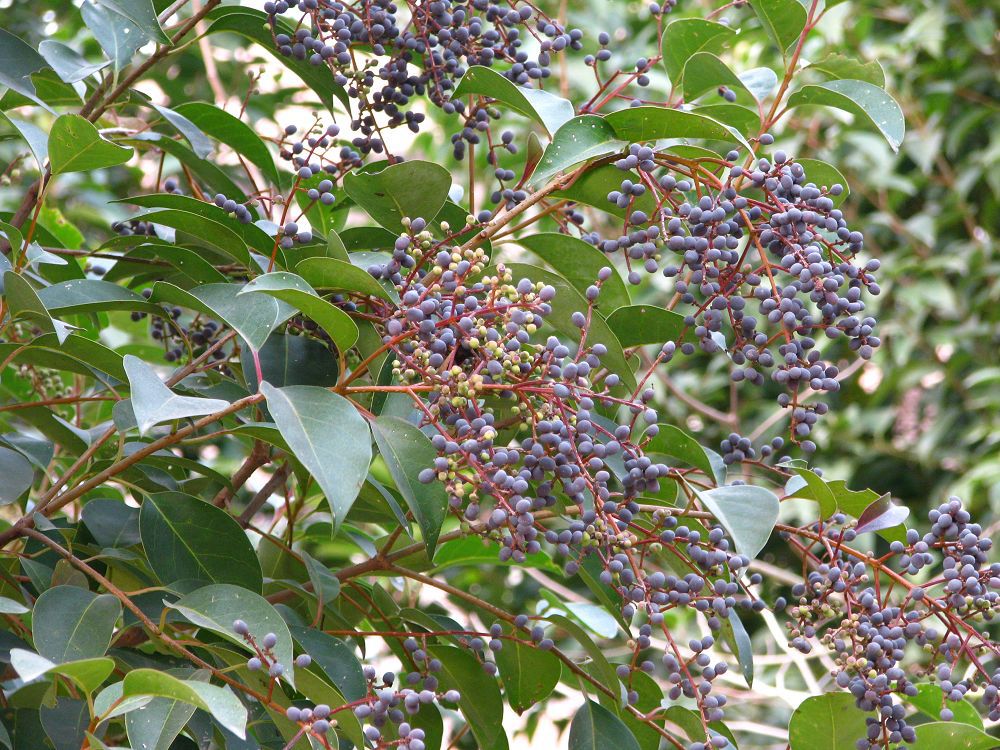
(580, 140)
(953, 735)
(480, 701)
(326, 433)
(783, 20)
(529, 674)
(748, 513)
(331, 273)
(18, 475)
(87, 673)
(153, 402)
(826, 722)
(409, 189)
(189, 539)
(76, 146)
(672, 441)
(218, 606)
(636, 325)
(687, 36)
(220, 702)
(595, 728)
(643, 124)
(869, 103)
(70, 623)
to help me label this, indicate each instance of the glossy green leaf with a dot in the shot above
(580, 140)
(643, 124)
(190, 539)
(954, 736)
(23, 303)
(38, 143)
(686, 36)
(229, 129)
(636, 325)
(335, 658)
(825, 175)
(388, 195)
(158, 723)
(70, 623)
(112, 523)
(826, 722)
(76, 146)
(253, 316)
(331, 273)
(406, 452)
(198, 141)
(296, 291)
(87, 673)
(529, 674)
(930, 699)
(67, 62)
(748, 513)
(18, 475)
(218, 606)
(548, 110)
(480, 702)
(595, 728)
(141, 13)
(838, 66)
(705, 72)
(673, 441)
(783, 20)
(208, 232)
(292, 360)
(153, 402)
(327, 434)
(736, 637)
(220, 702)
(117, 35)
(593, 185)
(870, 105)
(17, 62)
(579, 263)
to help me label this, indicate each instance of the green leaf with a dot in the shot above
(480, 701)
(112, 523)
(253, 25)
(736, 637)
(594, 184)
(336, 659)
(930, 699)
(216, 607)
(220, 702)
(76, 146)
(70, 623)
(579, 263)
(211, 233)
(91, 295)
(564, 304)
(253, 317)
(232, 131)
(23, 303)
(706, 72)
(580, 140)
(529, 674)
(826, 722)
(870, 104)
(650, 698)
(825, 175)
(330, 273)
(548, 110)
(67, 62)
(406, 452)
(327, 434)
(159, 722)
(636, 325)
(141, 13)
(820, 492)
(118, 36)
(87, 673)
(595, 728)
(838, 66)
(190, 539)
(783, 20)
(748, 513)
(643, 124)
(210, 174)
(297, 292)
(11, 607)
(673, 441)
(17, 62)
(410, 189)
(954, 736)
(153, 402)
(686, 36)
(292, 360)
(38, 143)
(18, 476)
(601, 667)
(690, 722)
(198, 141)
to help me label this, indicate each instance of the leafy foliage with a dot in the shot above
(357, 428)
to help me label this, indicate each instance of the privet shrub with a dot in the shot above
(439, 375)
